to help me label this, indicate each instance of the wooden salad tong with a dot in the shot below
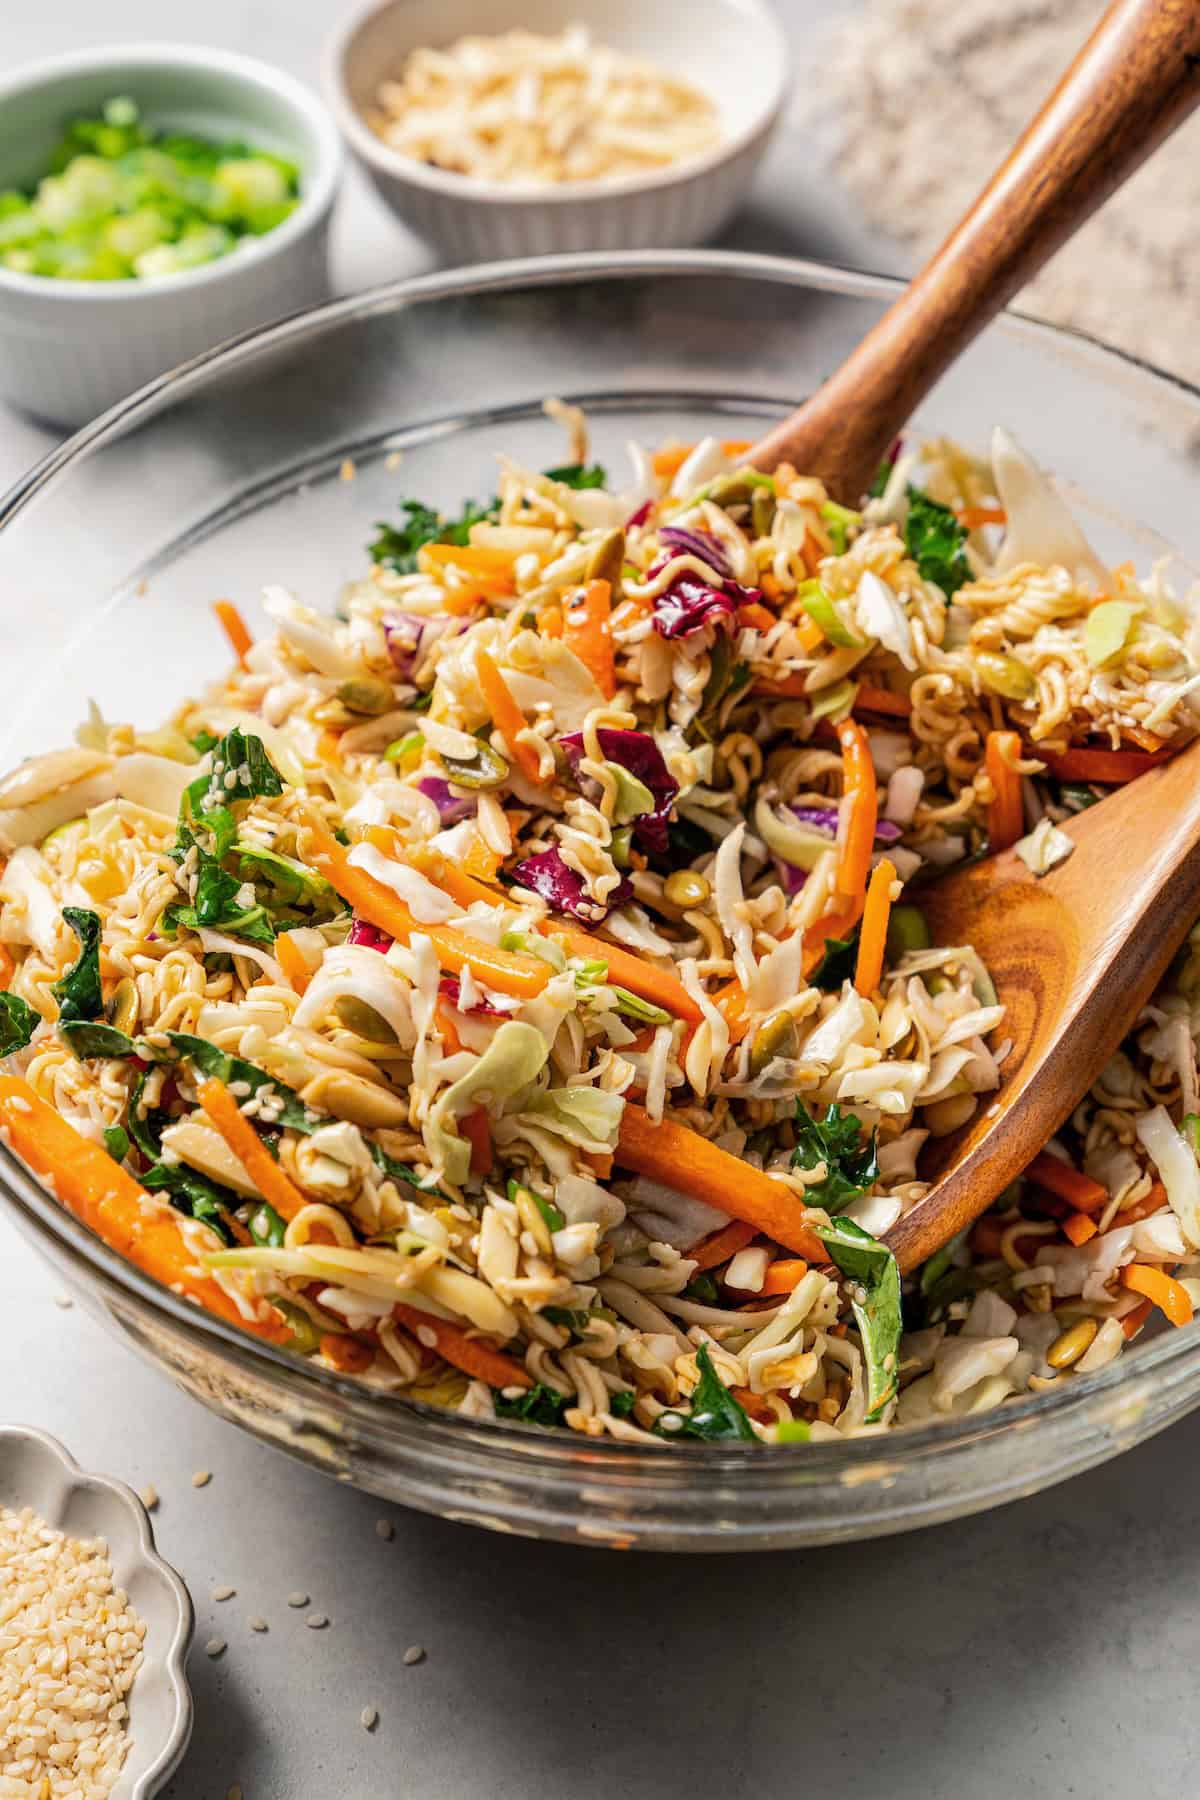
(1074, 954)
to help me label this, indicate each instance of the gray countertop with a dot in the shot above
(1046, 1648)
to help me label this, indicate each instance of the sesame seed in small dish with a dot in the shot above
(94, 1702)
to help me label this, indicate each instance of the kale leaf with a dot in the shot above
(194, 1195)
(716, 1416)
(18, 1022)
(935, 542)
(396, 546)
(92, 1037)
(851, 1165)
(874, 1275)
(116, 1142)
(220, 1066)
(579, 475)
(836, 964)
(540, 1405)
(241, 770)
(78, 992)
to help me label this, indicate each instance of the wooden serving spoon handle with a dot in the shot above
(1134, 81)
(1075, 955)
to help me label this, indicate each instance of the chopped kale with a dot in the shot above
(78, 992)
(540, 1405)
(935, 542)
(837, 963)
(851, 1164)
(18, 1022)
(716, 1416)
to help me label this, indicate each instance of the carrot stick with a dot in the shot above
(668, 461)
(1161, 1289)
(784, 1275)
(349, 1355)
(754, 1404)
(833, 925)
(868, 971)
(492, 568)
(8, 967)
(1145, 740)
(787, 687)
(235, 628)
(1059, 1177)
(723, 1244)
(291, 961)
(862, 800)
(507, 716)
(1079, 1228)
(988, 1232)
(1145, 1208)
(272, 1182)
(1006, 814)
(90, 1184)
(521, 976)
(731, 1002)
(975, 516)
(474, 1126)
(471, 1355)
(627, 970)
(680, 1158)
(1111, 768)
(758, 616)
(1133, 1321)
(882, 700)
(587, 630)
(736, 446)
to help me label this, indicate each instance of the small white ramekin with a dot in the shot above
(733, 50)
(69, 349)
(36, 1471)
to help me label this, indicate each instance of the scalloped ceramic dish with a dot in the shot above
(35, 1470)
(228, 474)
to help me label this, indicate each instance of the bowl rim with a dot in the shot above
(542, 1452)
(316, 199)
(387, 162)
(174, 1655)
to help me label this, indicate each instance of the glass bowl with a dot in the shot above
(269, 461)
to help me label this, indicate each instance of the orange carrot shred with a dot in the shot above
(975, 516)
(473, 1357)
(507, 716)
(272, 1182)
(882, 700)
(236, 629)
(861, 797)
(349, 1355)
(723, 1244)
(1006, 813)
(587, 630)
(1079, 1227)
(1133, 1321)
(476, 1128)
(1161, 1289)
(784, 1275)
(8, 967)
(1062, 1178)
(872, 942)
(291, 961)
(1110, 768)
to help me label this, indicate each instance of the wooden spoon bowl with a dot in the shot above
(1074, 956)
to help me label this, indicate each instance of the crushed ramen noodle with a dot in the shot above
(510, 987)
(525, 108)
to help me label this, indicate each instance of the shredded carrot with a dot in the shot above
(480, 860)
(723, 1244)
(463, 600)
(1079, 1228)
(349, 1355)
(788, 687)
(550, 620)
(474, 1357)
(784, 1275)
(272, 1182)
(837, 924)
(755, 1404)
(680, 1158)
(1145, 1208)
(659, 986)
(507, 715)
(477, 1130)
(236, 629)
(668, 460)
(8, 967)
(1006, 813)
(1110, 768)
(1061, 1178)
(291, 961)
(600, 1162)
(770, 586)
(988, 1233)
(731, 1001)
(758, 616)
(520, 976)
(872, 942)
(975, 516)
(861, 801)
(882, 700)
(811, 553)
(1133, 1321)
(1148, 741)
(588, 632)
(736, 446)
(89, 1183)
(490, 568)
(447, 1028)
(1161, 1289)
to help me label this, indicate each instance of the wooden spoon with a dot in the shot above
(1134, 81)
(1074, 955)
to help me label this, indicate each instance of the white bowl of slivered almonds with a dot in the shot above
(111, 1716)
(559, 125)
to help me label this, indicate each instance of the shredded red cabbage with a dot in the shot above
(404, 632)
(452, 808)
(563, 889)
(697, 543)
(637, 752)
(825, 818)
(689, 604)
(370, 937)
(448, 988)
(640, 516)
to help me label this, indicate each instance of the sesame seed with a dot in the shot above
(148, 1496)
(297, 1599)
(385, 1529)
(316, 1621)
(201, 1478)
(214, 1646)
(414, 1654)
(368, 1718)
(223, 1593)
(64, 1300)
(257, 1623)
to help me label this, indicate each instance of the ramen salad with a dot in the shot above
(510, 987)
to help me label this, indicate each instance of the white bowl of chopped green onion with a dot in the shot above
(154, 199)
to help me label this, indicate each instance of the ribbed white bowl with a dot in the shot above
(70, 349)
(36, 1471)
(733, 50)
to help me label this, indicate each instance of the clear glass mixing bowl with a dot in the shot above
(235, 471)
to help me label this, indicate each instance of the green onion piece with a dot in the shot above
(821, 610)
(793, 1431)
(1107, 631)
